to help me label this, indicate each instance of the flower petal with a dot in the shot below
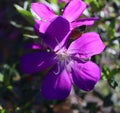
(42, 12)
(73, 10)
(56, 86)
(85, 75)
(57, 33)
(83, 21)
(37, 61)
(87, 45)
(37, 26)
(44, 25)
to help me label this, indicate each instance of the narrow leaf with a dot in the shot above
(26, 14)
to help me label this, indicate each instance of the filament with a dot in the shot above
(58, 69)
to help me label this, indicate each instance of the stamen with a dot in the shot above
(58, 69)
(67, 66)
(85, 59)
(44, 20)
(58, 43)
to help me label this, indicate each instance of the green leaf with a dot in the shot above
(95, 6)
(26, 14)
(113, 83)
(15, 24)
(10, 87)
(3, 111)
(93, 2)
(114, 72)
(93, 108)
(105, 73)
(53, 1)
(30, 36)
(111, 28)
(1, 77)
(109, 74)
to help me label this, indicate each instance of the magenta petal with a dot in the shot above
(73, 10)
(87, 45)
(42, 11)
(44, 25)
(37, 61)
(56, 86)
(84, 21)
(37, 26)
(85, 75)
(57, 33)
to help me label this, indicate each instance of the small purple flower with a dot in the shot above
(72, 11)
(69, 65)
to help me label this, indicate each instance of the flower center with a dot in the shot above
(63, 56)
(64, 59)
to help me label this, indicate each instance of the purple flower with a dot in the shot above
(72, 11)
(70, 64)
